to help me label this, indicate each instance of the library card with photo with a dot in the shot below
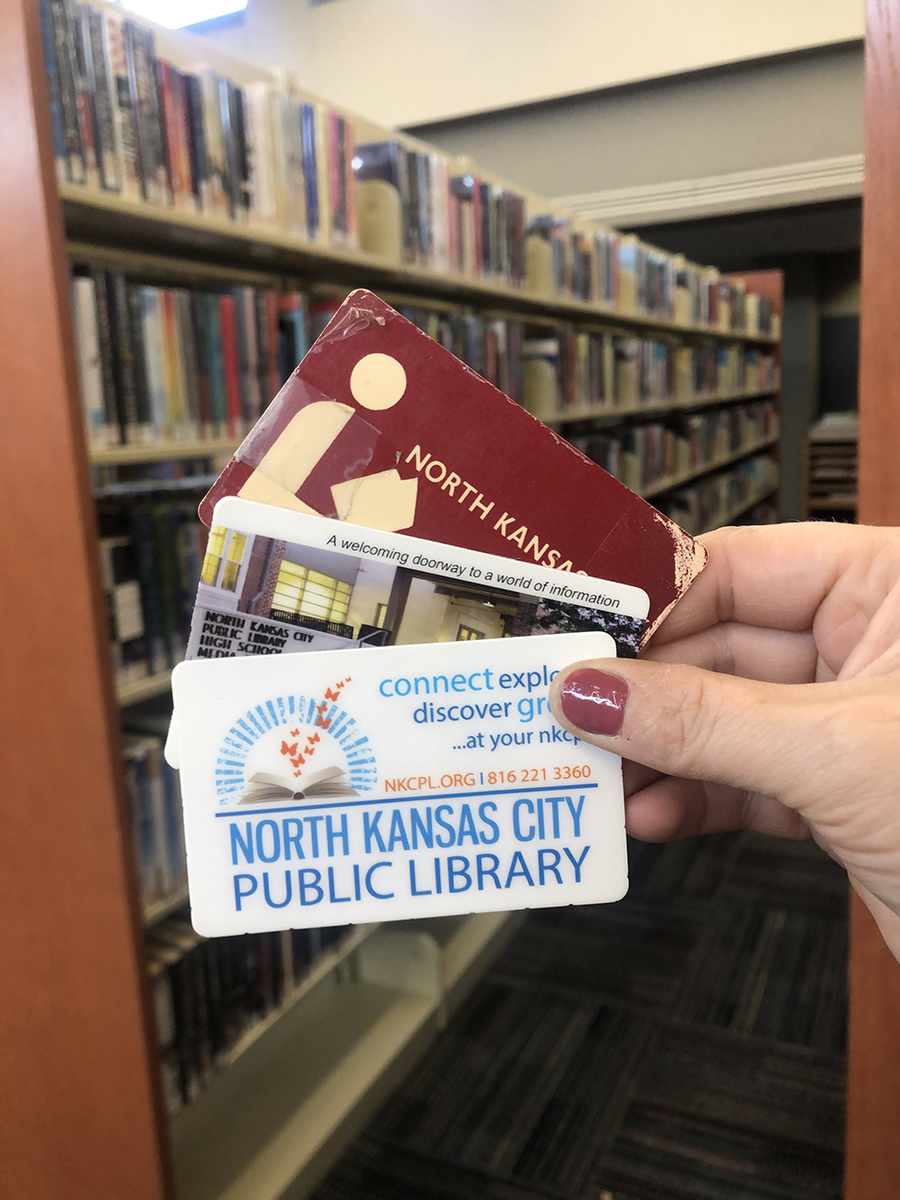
(280, 582)
(342, 786)
(382, 427)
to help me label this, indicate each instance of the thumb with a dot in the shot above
(795, 742)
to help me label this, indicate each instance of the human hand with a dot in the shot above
(716, 739)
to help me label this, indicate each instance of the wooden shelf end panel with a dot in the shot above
(873, 1097)
(81, 1095)
(873, 1075)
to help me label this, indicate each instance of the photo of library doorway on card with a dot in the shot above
(260, 595)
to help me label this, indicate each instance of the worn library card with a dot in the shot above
(381, 427)
(404, 781)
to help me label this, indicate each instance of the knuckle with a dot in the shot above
(686, 723)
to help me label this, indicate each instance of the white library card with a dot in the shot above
(343, 786)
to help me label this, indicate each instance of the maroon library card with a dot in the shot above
(380, 426)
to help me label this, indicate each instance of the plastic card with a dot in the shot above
(344, 786)
(382, 427)
(282, 582)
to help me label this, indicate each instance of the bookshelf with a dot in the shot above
(84, 1112)
(830, 454)
(93, 217)
(108, 456)
(873, 1075)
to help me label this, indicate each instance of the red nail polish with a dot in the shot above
(594, 701)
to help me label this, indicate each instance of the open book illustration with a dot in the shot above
(265, 788)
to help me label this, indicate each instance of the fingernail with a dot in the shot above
(594, 701)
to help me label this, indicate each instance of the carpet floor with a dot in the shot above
(687, 1043)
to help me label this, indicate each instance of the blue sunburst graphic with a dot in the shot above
(279, 713)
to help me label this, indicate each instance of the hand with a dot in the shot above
(769, 699)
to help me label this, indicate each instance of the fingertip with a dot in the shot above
(590, 698)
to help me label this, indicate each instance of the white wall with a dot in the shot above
(403, 62)
(756, 115)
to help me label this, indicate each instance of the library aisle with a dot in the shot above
(685, 1044)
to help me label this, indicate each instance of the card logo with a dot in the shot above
(295, 747)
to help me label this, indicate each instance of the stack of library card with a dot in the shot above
(362, 723)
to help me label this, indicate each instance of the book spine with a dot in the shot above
(216, 366)
(324, 233)
(64, 43)
(175, 347)
(162, 869)
(169, 130)
(175, 412)
(156, 128)
(123, 359)
(314, 199)
(201, 359)
(273, 377)
(187, 198)
(56, 115)
(293, 319)
(196, 141)
(226, 109)
(242, 355)
(154, 362)
(332, 122)
(242, 155)
(411, 209)
(104, 335)
(216, 169)
(188, 358)
(90, 366)
(141, 382)
(232, 368)
(140, 804)
(139, 86)
(102, 91)
(125, 137)
(351, 225)
(84, 95)
(247, 317)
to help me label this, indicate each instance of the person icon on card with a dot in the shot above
(310, 455)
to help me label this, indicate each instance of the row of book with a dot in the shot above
(422, 209)
(575, 258)
(161, 364)
(491, 346)
(722, 498)
(158, 364)
(151, 555)
(127, 121)
(646, 456)
(578, 373)
(208, 994)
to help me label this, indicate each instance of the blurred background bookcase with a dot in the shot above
(84, 1108)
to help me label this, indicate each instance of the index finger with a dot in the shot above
(777, 576)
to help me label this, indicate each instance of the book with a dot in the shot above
(61, 26)
(123, 111)
(159, 364)
(100, 432)
(125, 615)
(100, 85)
(130, 121)
(265, 788)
